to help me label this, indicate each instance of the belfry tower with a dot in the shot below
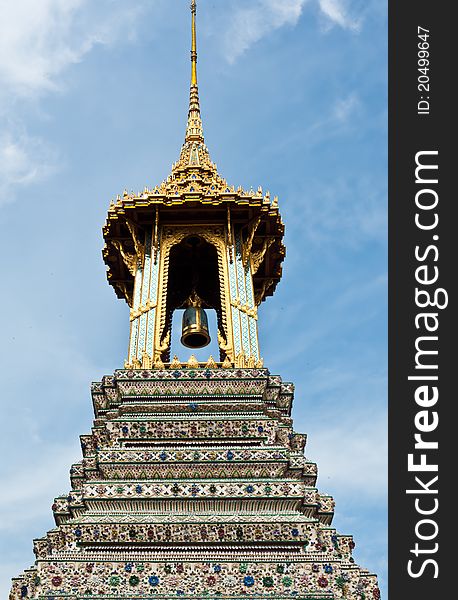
(193, 483)
(194, 236)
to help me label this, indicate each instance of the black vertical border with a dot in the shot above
(410, 133)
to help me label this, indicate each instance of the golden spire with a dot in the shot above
(194, 130)
(194, 155)
(193, 45)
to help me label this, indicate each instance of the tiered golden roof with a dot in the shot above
(194, 192)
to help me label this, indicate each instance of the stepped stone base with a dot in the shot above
(193, 484)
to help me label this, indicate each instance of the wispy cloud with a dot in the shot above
(337, 13)
(345, 107)
(24, 160)
(339, 119)
(253, 20)
(352, 209)
(347, 210)
(348, 442)
(352, 306)
(352, 455)
(39, 40)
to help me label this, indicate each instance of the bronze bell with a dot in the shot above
(194, 331)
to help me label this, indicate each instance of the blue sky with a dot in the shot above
(93, 100)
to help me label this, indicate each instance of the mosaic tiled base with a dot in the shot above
(193, 484)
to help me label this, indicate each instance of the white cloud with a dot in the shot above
(39, 40)
(351, 455)
(348, 442)
(337, 14)
(343, 210)
(338, 119)
(255, 19)
(250, 23)
(351, 305)
(345, 107)
(23, 160)
(353, 209)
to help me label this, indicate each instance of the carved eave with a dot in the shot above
(193, 197)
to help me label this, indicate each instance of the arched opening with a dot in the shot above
(193, 273)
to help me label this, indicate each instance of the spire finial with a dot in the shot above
(194, 131)
(194, 44)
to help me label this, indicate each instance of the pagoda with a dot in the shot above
(193, 483)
